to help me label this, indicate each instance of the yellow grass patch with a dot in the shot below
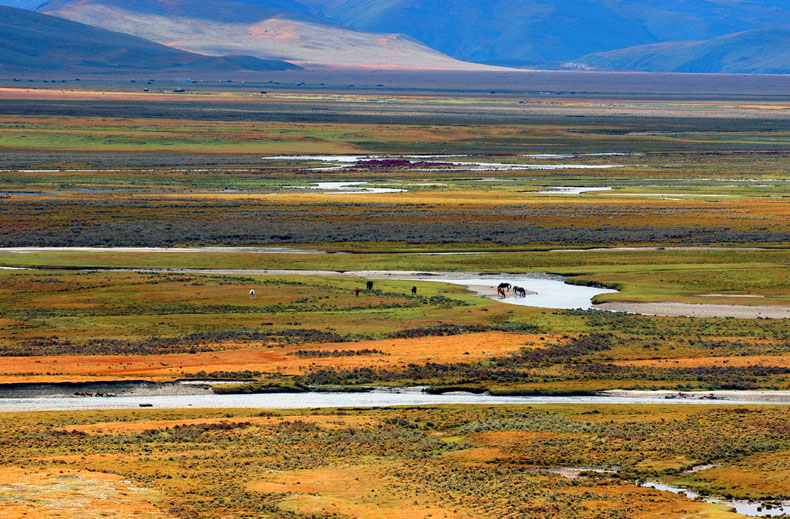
(494, 445)
(358, 491)
(73, 494)
(782, 361)
(476, 455)
(356, 420)
(665, 463)
(510, 438)
(766, 474)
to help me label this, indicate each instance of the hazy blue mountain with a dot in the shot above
(494, 31)
(536, 31)
(22, 4)
(238, 11)
(702, 19)
(501, 32)
(765, 51)
(34, 41)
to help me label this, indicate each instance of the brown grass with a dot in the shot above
(366, 491)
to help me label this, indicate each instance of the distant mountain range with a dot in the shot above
(33, 41)
(535, 32)
(271, 29)
(739, 36)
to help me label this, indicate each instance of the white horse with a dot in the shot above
(252, 294)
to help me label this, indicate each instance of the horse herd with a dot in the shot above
(503, 288)
(368, 287)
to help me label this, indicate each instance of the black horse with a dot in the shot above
(414, 291)
(519, 291)
(504, 286)
(370, 286)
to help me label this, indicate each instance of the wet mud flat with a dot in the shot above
(697, 310)
(108, 389)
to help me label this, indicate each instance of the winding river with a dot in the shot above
(204, 398)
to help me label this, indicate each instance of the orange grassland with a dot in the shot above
(271, 360)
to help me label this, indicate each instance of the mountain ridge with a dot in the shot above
(458, 34)
(277, 35)
(528, 32)
(760, 51)
(35, 41)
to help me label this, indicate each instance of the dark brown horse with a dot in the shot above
(414, 291)
(504, 286)
(370, 286)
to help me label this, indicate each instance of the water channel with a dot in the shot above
(201, 396)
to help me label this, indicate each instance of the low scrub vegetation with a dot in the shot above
(540, 461)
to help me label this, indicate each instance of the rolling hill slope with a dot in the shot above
(34, 41)
(759, 52)
(226, 11)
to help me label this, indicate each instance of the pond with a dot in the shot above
(424, 163)
(546, 291)
(345, 188)
(568, 190)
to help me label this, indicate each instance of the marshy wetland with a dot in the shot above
(134, 226)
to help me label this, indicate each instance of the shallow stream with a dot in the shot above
(379, 397)
(751, 508)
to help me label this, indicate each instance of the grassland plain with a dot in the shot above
(546, 461)
(61, 325)
(141, 173)
(702, 185)
(447, 219)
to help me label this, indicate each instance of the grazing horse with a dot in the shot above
(504, 286)
(414, 291)
(519, 291)
(370, 286)
(501, 292)
(252, 294)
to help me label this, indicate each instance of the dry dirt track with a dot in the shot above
(699, 310)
